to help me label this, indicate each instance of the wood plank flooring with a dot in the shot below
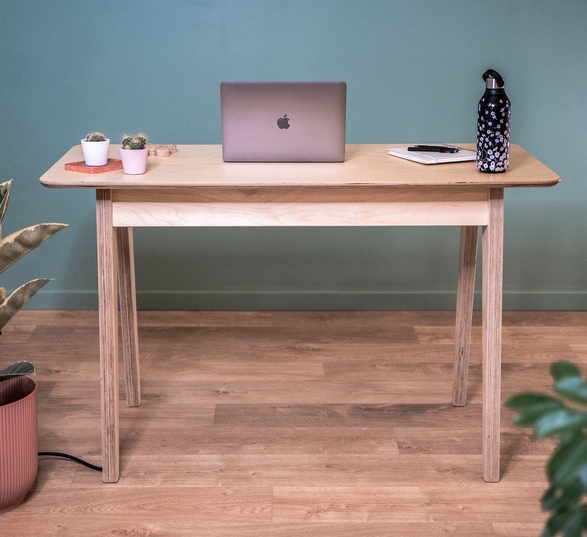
(333, 424)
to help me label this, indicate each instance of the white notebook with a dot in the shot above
(428, 157)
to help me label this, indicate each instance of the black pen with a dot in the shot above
(434, 148)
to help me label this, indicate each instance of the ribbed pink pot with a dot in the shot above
(18, 440)
(134, 161)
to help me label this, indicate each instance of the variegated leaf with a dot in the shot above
(15, 246)
(11, 305)
(17, 369)
(4, 195)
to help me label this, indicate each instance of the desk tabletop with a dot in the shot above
(366, 165)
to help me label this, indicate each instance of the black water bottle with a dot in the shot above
(493, 126)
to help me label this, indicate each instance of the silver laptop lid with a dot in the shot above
(283, 121)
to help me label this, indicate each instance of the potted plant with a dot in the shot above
(134, 152)
(564, 417)
(18, 393)
(95, 149)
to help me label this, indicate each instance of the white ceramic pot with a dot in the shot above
(134, 161)
(95, 153)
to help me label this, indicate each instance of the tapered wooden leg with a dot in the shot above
(464, 310)
(491, 340)
(108, 325)
(128, 316)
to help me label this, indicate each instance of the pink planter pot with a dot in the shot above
(18, 440)
(134, 161)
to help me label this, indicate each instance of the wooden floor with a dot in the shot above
(286, 424)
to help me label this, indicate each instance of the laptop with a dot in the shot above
(283, 121)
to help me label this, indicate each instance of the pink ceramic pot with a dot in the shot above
(134, 161)
(18, 440)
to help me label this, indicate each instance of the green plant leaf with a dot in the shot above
(568, 463)
(4, 196)
(568, 523)
(570, 435)
(573, 523)
(560, 370)
(10, 306)
(573, 388)
(558, 523)
(549, 499)
(15, 246)
(556, 499)
(559, 421)
(526, 399)
(533, 406)
(583, 477)
(554, 524)
(567, 467)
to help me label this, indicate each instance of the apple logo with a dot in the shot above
(283, 122)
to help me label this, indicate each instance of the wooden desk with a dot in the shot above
(195, 188)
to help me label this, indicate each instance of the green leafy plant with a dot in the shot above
(13, 248)
(95, 137)
(134, 141)
(563, 416)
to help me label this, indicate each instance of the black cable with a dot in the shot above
(70, 457)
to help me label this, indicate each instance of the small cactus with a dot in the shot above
(95, 137)
(135, 141)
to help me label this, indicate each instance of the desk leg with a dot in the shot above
(128, 314)
(464, 312)
(491, 340)
(108, 325)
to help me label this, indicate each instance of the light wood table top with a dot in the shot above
(366, 165)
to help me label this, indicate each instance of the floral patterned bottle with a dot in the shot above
(493, 126)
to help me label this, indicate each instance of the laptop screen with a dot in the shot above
(283, 121)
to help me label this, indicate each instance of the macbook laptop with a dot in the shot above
(283, 121)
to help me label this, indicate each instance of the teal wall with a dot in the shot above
(413, 70)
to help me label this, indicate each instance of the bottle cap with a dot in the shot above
(493, 79)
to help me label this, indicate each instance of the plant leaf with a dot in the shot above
(568, 522)
(573, 524)
(527, 399)
(553, 525)
(568, 463)
(17, 369)
(583, 477)
(560, 370)
(555, 499)
(15, 246)
(560, 421)
(10, 306)
(4, 196)
(533, 406)
(549, 499)
(573, 388)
